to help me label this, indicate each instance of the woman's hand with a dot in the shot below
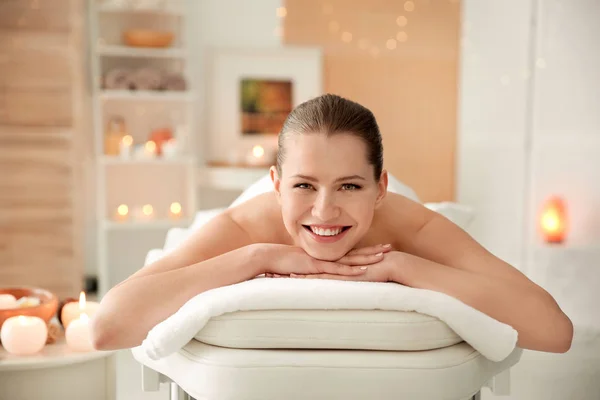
(383, 271)
(283, 260)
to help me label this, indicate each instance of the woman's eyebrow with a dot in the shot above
(343, 178)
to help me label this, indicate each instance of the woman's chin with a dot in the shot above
(321, 252)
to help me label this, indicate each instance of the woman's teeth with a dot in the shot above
(326, 232)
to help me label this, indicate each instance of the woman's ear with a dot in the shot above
(381, 188)
(276, 181)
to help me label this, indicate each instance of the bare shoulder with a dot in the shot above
(400, 218)
(261, 218)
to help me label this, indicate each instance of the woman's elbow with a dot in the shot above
(101, 333)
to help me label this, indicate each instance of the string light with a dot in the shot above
(390, 44)
(409, 6)
(347, 37)
(401, 21)
(402, 36)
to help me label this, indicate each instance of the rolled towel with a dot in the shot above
(147, 79)
(118, 79)
(174, 81)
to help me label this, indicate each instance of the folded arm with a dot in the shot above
(440, 256)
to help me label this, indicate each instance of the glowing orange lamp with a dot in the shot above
(553, 221)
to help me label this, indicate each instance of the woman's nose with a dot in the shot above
(325, 208)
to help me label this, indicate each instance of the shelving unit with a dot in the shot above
(135, 181)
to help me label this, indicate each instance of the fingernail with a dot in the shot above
(363, 268)
(387, 246)
(379, 254)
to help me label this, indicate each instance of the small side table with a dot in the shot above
(57, 373)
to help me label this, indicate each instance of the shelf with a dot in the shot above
(136, 95)
(109, 160)
(141, 225)
(115, 8)
(229, 178)
(127, 51)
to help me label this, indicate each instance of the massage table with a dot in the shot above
(324, 354)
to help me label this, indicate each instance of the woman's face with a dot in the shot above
(328, 193)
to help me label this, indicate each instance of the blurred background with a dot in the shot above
(120, 120)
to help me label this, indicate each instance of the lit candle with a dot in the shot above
(122, 212)
(175, 211)
(8, 301)
(553, 221)
(145, 213)
(150, 149)
(125, 146)
(23, 335)
(71, 311)
(78, 334)
(257, 156)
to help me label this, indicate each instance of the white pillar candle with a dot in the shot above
(71, 311)
(125, 146)
(78, 334)
(170, 149)
(23, 335)
(8, 301)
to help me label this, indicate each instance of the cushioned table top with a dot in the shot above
(313, 354)
(328, 329)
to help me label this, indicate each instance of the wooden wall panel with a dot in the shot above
(412, 89)
(42, 132)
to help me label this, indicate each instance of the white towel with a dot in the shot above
(493, 339)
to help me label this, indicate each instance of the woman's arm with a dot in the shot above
(217, 255)
(536, 317)
(443, 257)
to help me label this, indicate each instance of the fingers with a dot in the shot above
(380, 248)
(361, 259)
(334, 268)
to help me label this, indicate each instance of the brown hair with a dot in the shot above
(331, 114)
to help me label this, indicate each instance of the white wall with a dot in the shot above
(529, 128)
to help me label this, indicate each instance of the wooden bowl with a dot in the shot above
(147, 38)
(45, 310)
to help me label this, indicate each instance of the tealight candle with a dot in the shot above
(175, 210)
(257, 156)
(145, 213)
(125, 146)
(23, 335)
(73, 310)
(8, 301)
(78, 334)
(122, 212)
(150, 149)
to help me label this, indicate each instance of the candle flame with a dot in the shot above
(82, 300)
(150, 146)
(175, 208)
(258, 151)
(147, 210)
(127, 140)
(123, 210)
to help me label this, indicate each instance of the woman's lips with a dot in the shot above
(327, 239)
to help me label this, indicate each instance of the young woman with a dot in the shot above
(331, 217)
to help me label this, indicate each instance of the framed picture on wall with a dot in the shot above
(250, 94)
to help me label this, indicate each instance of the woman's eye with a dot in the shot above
(303, 186)
(350, 186)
